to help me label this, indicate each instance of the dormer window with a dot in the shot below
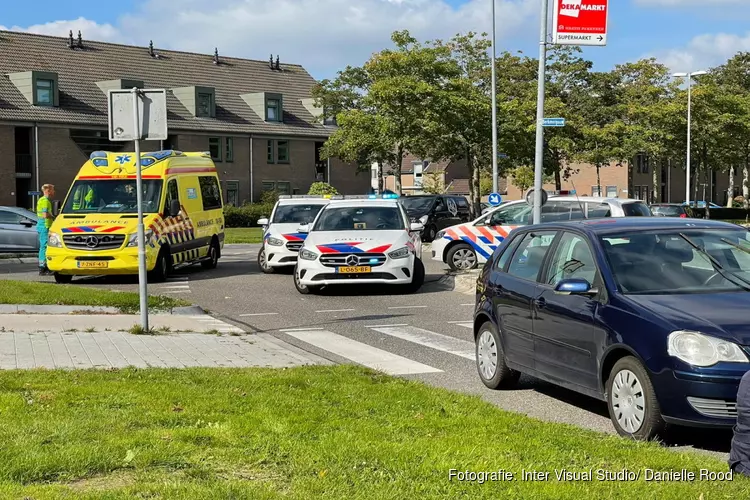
(45, 92)
(205, 104)
(273, 110)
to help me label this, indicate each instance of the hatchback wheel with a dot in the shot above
(490, 358)
(462, 257)
(633, 407)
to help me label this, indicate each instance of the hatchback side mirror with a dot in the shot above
(174, 208)
(575, 286)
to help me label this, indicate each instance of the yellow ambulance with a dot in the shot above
(95, 232)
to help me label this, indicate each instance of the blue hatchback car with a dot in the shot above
(650, 314)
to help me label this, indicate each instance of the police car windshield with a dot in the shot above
(295, 214)
(360, 218)
(112, 197)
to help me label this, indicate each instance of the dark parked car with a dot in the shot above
(18, 231)
(647, 314)
(669, 210)
(436, 212)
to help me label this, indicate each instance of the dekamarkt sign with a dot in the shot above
(580, 22)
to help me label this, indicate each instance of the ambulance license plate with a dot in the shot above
(354, 269)
(93, 264)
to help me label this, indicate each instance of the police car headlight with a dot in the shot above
(133, 238)
(274, 242)
(439, 235)
(307, 255)
(54, 240)
(424, 219)
(401, 253)
(701, 350)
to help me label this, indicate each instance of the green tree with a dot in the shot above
(322, 189)
(523, 177)
(432, 183)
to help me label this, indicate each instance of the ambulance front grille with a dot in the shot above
(93, 242)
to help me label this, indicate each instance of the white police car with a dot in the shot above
(360, 240)
(281, 240)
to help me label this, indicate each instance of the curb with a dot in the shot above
(9, 259)
(55, 309)
(466, 283)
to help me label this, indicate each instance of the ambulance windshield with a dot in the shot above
(112, 197)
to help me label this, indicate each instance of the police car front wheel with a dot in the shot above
(462, 257)
(303, 289)
(263, 262)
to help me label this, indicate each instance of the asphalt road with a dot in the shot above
(425, 336)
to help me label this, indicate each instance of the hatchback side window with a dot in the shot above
(528, 258)
(502, 261)
(572, 260)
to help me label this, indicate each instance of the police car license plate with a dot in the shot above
(354, 269)
(93, 264)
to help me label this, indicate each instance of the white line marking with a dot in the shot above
(334, 310)
(176, 291)
(466, 325)
(363, 354)
(175, 286)
(384, 326)
(468, 304)
(300, 330)
(433, 340)
(257, 314)
(407, 307)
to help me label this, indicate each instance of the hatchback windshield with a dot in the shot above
(360, 218)
(691, 261)
(112, 197)
(417, 203)
(296, 214)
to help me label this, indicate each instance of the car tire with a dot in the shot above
(63, 279)
(262, 263)
(428, 236)
(212, 260)
(418, 277)
(303, 289)
(632, 403)
(162, 269)
(490, 359)
(462, 257)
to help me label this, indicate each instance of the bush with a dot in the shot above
(322, 188)
(246, 215)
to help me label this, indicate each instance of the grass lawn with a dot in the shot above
(24, 292)
(243, 235)
(311, 432)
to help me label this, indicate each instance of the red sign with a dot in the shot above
(580, 22)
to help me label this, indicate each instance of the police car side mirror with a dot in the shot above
(263, 222)
(174, 208)
(417, 226)
(303, 228)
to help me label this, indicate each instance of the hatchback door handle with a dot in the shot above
(540, 302)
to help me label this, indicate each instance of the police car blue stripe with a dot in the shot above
(476, 247)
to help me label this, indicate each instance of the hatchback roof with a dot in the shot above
(618, 224)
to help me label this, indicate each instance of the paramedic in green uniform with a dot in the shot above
(45, 218)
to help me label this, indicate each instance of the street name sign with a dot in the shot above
(554, 122)
(580, 22)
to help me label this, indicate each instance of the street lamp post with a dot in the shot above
(494, 106)
(689, 77)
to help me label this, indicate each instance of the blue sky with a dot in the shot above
(325, 35)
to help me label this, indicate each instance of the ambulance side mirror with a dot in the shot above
(56, 208)
(174, 208)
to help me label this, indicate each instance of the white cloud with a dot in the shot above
(705, 51)
(700, 3)
(322, 35)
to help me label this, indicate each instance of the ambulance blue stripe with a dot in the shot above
(476, 247)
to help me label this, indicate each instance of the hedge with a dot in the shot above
(246, 215)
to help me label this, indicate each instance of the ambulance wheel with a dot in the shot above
(212, 258)
(303, 289)
(418, 279)
(263, 263)
(462, 257)
(63, 278)
(162, 267)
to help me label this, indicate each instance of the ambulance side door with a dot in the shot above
(192, 215)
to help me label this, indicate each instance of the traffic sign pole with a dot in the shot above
(142, 274)
(494, 105)
(539, 159)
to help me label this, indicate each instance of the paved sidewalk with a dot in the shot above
(33, 323)
(119, 350)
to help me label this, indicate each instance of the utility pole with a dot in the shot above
(539, 158)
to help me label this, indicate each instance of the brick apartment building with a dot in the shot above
(255, 117)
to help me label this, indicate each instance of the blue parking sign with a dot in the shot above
(495, 199)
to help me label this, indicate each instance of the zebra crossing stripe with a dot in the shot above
(360, 353)
(437, 341)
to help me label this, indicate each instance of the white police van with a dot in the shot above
(361, 240)
(281, 240)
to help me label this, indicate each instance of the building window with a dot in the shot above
(233, 193)
(295, 191)
(611, 191)
(210, 192)
(284, 188)
(229, 154)
(273, 113)
(214, 146)
(268, 186)
(205, 104)
(45, 92)
(595, 191)
(282, 151)
(271, 157)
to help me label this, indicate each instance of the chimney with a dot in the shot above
(216, 55)
(71, 43)
(151, 48)
(80, 40)
(270, 62)
(277, 62)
